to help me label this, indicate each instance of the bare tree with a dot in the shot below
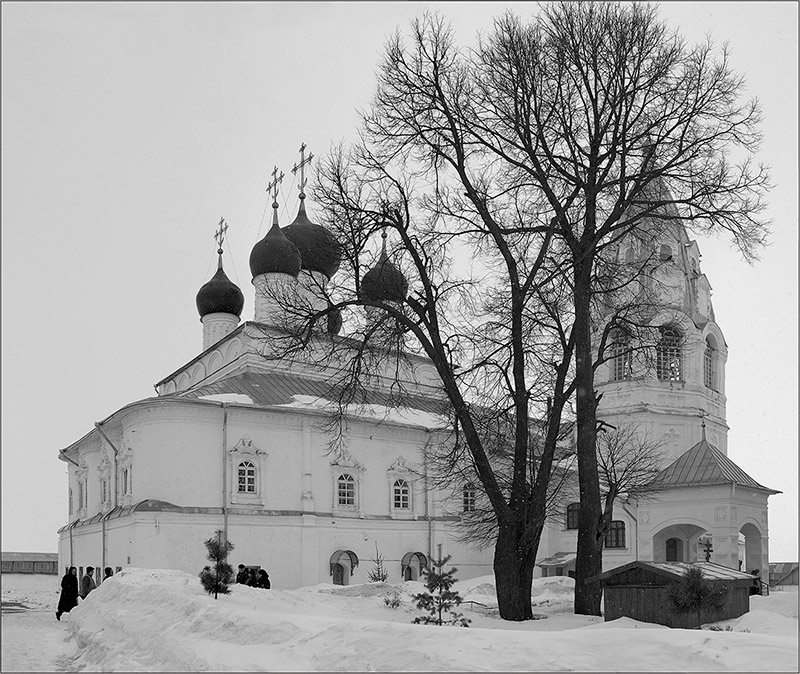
(535, 153)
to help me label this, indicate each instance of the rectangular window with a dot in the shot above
(247, 478)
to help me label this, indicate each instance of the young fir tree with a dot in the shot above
(379, 574)
(440, 598)
(216, 578)
(693, 594)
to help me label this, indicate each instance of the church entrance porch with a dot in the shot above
(343, 563)
(679, 543)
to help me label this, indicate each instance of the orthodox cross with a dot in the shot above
(219, 235)
(273, 186)
(303, 161)
(708, 549)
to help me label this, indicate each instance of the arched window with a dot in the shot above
(573, 510)
(69, 500)
(401, 495)
(629, 255)
(621, 358)
(81, 495)
(615, 537)
(668, 355)
(246, 478)
(665, 253)
(346, 490)
(469, 498)
(709, 358)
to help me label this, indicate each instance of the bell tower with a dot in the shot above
(667, 377)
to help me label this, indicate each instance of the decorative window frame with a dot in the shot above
(344, 464)
(104, 472)
(81, 473)
(621, 361)
(245, 450)
(400, 470)
(70, 503)
(125, 468)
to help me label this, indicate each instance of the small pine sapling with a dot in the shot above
(693, 594)
(440, 597)
(216, 578)
(379, 574)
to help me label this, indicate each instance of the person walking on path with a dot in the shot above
(263, 579)
(87, 582)
(69, 592)
(108, 573)
(252, 581)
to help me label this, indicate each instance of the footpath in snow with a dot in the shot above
(158, 620)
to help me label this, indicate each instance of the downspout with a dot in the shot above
(225, 470)
(104, 533)
(635, 525)
(427, 497)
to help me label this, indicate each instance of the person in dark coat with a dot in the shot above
(263, 579)
(252, 581)
(69, 592)
(87, 582)
(108, 572)
(242, 576)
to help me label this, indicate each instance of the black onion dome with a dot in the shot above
(220, 295)
(319, 249)
(384, 282)
(275, 253)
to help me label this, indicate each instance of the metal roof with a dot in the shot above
(558, 559)
(705, 465)
(711, 571)
(29, 556)
(273, 388)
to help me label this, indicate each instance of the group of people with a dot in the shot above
(70, 590)
(253, 578)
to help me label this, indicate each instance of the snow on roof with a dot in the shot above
(228, 398)
(397, 415)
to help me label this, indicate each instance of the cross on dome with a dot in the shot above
(303, 162)
(219, 235)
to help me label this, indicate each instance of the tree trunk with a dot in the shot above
(589, 560)
(513, 573)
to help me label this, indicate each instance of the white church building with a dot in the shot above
(234, 441)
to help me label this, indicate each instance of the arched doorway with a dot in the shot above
(412, 565)
(343, 563)
(678, 543)
(674, 550)
(753, 550)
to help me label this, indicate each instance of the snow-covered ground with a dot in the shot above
(156, 620)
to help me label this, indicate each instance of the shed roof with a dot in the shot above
(676, 570)
(704, 465)
(29, 556)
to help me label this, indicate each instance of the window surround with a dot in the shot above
(621, 358)
(400, 472)
(125, 466)
(710, 360)
(242, 453)
(81, 473)
(344, 464)
(104, 473)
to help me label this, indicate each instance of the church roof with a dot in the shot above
(272, 388)
(704, 465)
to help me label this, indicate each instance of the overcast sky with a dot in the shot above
(129, 129)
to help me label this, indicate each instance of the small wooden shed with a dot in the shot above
(639, 590)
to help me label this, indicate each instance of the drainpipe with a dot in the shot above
(635, 525)
(427, 497)
(225, 470)
(104, 534)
